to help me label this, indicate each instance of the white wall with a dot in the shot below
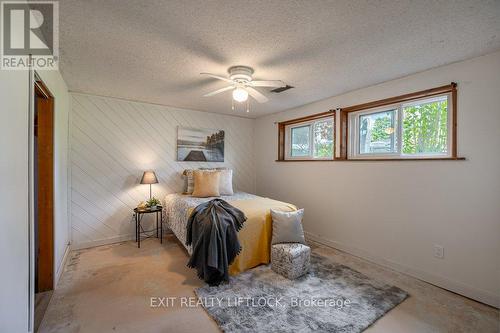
(14, 296)
(113, 141)
(394, 212)
(14, 169)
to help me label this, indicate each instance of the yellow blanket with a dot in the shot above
(255, 236)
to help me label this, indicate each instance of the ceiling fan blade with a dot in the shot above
(218, 91)
(217, 77)
(267, 83)
(257, 95)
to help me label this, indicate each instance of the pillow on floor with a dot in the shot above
(287, 227)
(206, 183)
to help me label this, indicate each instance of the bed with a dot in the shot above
(255, 237)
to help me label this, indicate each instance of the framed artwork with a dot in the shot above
(200, 145)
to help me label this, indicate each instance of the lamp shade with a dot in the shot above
(149, 177)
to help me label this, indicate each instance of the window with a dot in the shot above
(420, 125)
(311, 140)
(323, 139)
(377, 134)
(308, 138)
(425, 127)
(300, 141)
(414, 129)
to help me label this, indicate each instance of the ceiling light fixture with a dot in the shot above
(243, 86)
(240, 95)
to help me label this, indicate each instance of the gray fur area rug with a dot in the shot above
(330, 298)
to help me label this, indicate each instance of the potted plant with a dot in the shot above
(153, 203)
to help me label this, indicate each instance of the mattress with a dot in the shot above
(254, 237)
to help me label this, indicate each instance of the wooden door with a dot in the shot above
(44, 132)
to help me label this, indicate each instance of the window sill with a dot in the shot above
(380, 159)
(299, 160)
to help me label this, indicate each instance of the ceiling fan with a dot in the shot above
(242, 85)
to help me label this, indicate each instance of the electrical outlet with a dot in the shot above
(438, 251)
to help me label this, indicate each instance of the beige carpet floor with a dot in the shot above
(42, 301)
(109, 289)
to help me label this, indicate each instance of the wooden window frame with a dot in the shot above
(442, 90)
(282, 127)
(343, 120)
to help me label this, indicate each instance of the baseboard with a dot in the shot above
(440, 281)
(103, 241)
(110, 240)
(61, 267)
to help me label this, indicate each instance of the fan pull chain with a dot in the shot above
(248, 105)
(232, 104)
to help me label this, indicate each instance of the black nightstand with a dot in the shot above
(139, 212)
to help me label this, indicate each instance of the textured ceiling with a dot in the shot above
(153, 51)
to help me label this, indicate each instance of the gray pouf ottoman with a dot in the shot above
(290, 259)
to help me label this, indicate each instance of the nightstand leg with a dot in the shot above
(135, 227)
(139, 232)
(161, 227)
(156, 224)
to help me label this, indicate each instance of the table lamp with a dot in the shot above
(149, 177)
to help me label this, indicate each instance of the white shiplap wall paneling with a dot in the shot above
(113, 141)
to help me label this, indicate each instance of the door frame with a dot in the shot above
(44, 160)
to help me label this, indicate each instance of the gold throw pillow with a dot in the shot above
(206, 183)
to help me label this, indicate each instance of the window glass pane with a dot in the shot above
(425, 127)
(300, 141)
(377, 133)
(323, 139)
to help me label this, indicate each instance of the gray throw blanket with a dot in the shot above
(212, 229)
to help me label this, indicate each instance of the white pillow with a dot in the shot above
(226, 182)
(287, 227)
